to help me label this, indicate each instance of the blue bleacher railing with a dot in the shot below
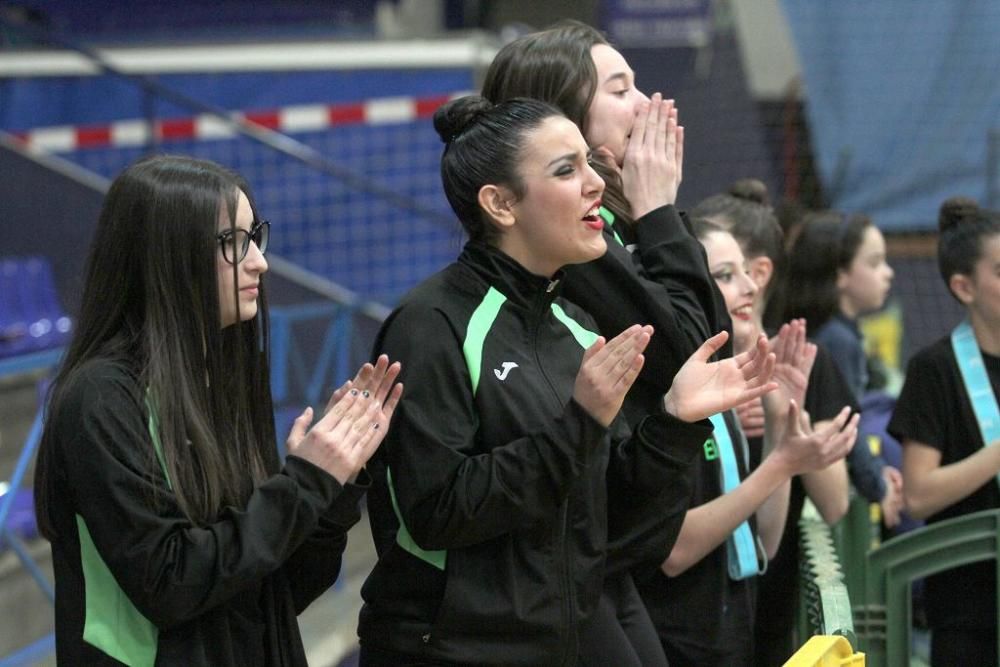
(274, 140)
(36, 327)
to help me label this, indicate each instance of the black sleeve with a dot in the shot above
(448, 494)
(170, 569)
(649, 488)
(828, 391)
(920, 412)
(671, 255)
(827, 394)
(666, 285)
(315, 565)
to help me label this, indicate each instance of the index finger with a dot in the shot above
(651, 131)
(662, 121)
(387, 381)
(341, 408)
(639, 124)
(620, 344)
(679, 152)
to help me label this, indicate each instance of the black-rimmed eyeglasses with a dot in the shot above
(236, 244)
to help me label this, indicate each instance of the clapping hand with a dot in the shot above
(805, 450)
(751, 416)
(353, 424)
(608, 371)
(794, 358)
(702, 388)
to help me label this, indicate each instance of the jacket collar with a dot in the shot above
(502, 272)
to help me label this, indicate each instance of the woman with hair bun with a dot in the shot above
(745, 211)
(701, 598)
(497, 494)
(951, 440)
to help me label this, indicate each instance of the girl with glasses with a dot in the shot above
(178, 537)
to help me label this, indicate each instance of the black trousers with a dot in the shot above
(376, 657)
(620, 632)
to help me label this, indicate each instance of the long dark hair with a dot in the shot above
(555, 66)
(483, 145)
(151, 302)
(745, 210)
(963, 228)
(826, 243)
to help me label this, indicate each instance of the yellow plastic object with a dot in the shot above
(883, 333)
(826, 651)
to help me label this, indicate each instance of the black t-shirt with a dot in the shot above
(703, 617)
(827, 394)
(934, 409)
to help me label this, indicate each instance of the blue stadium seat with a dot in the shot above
(31, 315)
(21, 519)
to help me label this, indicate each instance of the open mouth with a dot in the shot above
(593, 217)
(744, 312)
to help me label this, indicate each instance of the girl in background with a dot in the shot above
(744, 211)
(951, 442)
(178, 538)
(703, 606)
(837, 271)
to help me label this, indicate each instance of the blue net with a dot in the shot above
(356, 239)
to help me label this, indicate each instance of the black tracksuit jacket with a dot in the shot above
(509, 494)
(139, 584)
(662, 279)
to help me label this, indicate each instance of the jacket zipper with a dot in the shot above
(569, 656)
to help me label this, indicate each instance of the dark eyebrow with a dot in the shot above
(568, 157)
(624, 76)
(724, 265)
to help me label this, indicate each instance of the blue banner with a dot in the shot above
(903, 103)
(657, 23)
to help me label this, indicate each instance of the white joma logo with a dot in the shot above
(502, 375)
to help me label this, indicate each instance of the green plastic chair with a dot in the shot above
(883, 621)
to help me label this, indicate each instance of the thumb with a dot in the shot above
(793, 425)
(596, 347)
(299, 427)
(710, 346)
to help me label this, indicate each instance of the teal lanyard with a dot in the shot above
(741, 546)
(609, 218)
(977, 383)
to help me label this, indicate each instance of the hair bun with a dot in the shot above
(954, 210)
(752, 190)
(456, 116)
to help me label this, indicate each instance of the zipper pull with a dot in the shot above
(552, 286)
